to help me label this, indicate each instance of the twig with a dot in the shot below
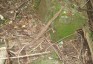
(37, 45)
(28, 59)
(74, 47)
(48, 47)
(8, 56)
(84, 3)
(80, 51)
(30, 55)
(18, 60)
(56, 49)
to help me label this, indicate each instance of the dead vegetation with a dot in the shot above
(26, 37)
(29, 35)
(21, 33)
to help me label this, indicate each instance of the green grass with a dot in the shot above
(62, 29)
(65, 29)
(45, 61)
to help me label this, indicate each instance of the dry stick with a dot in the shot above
(56, 49)
(30, 55)
(19, 53)
(44, 29)
(74, 47)
(18, 60)
(80, 52)
(7, 49)
(48, 24)
(37, 46)
(48, 47)
(28, 59)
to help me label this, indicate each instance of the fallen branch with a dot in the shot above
(48, 24)
(56, 49)
(30, 55)
(7, 49)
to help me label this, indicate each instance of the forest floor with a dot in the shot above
(24, 32)
(21, 27)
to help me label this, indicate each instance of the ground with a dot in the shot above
(22, 25)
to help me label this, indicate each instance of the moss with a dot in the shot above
(36, 4)
(91, 35)
(65, 29)
(63, 26)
